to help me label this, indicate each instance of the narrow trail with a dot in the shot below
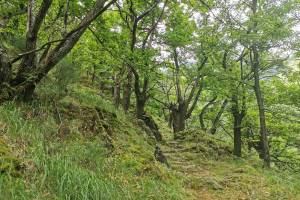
(210, 172)
(182, 160)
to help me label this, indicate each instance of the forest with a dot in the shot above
(150, 99)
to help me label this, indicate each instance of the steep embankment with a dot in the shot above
(80, 147)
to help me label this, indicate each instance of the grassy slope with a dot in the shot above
(104, 155)
(77, 161)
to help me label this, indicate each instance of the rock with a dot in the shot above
(160, 157)
(150, 123)
(8, 162)
(145, 128)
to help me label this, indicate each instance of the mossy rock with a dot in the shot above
(201, 142)
(9, 164)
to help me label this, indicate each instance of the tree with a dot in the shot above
(141, 25)
(32, 69)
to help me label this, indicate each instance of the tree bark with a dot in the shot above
(185, 106)
(33, 26)
(237, 135)
(178, 112)
(141, 96)
(66, 17)
(29, 61)
(127, 90)
(261, 109)
(117, 91)
(5, 75)
(255, 62)
(203, 111)
(237, 123)
(218, 117)
(5, 67)
(28, 77)
(140, 106)
(178, 117)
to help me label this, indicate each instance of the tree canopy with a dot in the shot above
(227, 68)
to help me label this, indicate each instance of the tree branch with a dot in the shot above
(32, 51)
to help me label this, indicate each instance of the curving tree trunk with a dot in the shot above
(203, 111)
(31, 71)
(182, 110)
(217, 119)
(261, 110)
(133, 21)
(255, 62)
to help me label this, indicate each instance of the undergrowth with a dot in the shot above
(77, 165)
(78, 146)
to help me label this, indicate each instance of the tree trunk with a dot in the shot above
(117, 90)
(178, 122)
(203, 111)
(238, 116)
(5, 67)
(127, 90)
(27, 94)
(258, 94)
(261, 109)
(170, 120)
(29, 61)
(178, 116)
(5, 75)
(140, 106)
(237, 134)
(27, 76)
(218, 117)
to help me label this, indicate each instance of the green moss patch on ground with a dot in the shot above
(9, 163)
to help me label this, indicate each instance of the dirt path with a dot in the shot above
(211, 174)
(181, 159)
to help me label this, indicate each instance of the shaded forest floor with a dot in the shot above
(81, 147)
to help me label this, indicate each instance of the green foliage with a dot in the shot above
(65, 74)
(71, 142)
(180, 29)
(78, 167)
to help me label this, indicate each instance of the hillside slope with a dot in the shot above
(72, 149)
(80, 147)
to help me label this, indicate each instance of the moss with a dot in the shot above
(6, 92)
(9, 163)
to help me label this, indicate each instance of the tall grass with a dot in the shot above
(79, 168)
